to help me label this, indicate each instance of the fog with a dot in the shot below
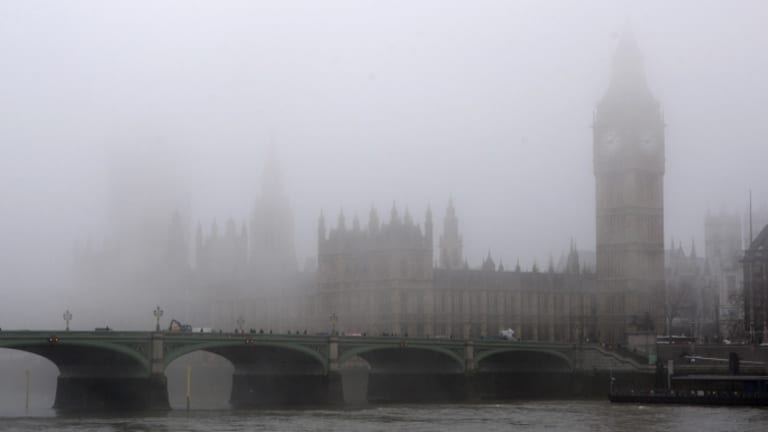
(115, 111)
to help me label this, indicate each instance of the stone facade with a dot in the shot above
(723, 250)
(691, 300)
(629, 172)
(380, 279)
(377, 279)
(451, 242)
(756, 288)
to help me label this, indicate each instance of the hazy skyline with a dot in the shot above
(488, 102)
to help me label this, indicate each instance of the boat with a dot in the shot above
(728, 390)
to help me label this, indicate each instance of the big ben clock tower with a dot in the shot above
(629, 191)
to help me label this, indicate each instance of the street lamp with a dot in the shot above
(158, 313)
(67, 317)
(240, 321)
(334, 319)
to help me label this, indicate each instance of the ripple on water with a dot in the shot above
(528, 415)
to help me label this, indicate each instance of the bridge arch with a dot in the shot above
(73, 357)
(396, 356)
(524, 358)
(234, 350)
(209, 376)
(42, 381)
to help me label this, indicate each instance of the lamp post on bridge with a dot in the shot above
(334, 319)
(158, 312)
(67, 317)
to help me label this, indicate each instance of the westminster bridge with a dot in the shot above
(126, 370)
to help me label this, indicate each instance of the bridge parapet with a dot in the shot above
(595, 358)
(286, 364)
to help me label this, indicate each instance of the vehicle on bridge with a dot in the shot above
(508, 334)
(177, 326)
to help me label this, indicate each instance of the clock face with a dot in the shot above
(610, 141)
(648, 141)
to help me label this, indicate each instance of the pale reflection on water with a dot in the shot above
(529, 415)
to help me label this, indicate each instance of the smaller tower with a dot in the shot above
(320, 229)
(428, 227)
(451, 241)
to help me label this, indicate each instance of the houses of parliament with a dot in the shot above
(392, 274)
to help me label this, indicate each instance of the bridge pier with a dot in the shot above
(417, 387)
(111, 393)
(251, 390)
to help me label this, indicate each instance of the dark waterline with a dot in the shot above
(524, 415)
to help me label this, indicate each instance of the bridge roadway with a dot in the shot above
(126, 370)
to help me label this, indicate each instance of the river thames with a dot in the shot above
(523, 415)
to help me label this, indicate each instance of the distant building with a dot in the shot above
(227, 272)
(756, 288)
(380, 279)
(753, 223)
(629, 179)
(271, 241)
(691, 302)
(723, 251)
(451, 243)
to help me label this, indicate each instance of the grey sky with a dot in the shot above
(366, 102)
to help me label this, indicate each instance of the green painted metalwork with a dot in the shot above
(479, 356)
(182, 344)
(351, 347)
(134, 345)
(137, 346)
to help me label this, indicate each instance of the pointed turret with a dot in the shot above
(428, 227)
(199, 245)
(341, 224)
(572, 263)
(488, 263)
(450, 240)
(271, 242)
(176, 249)
(394, 217)
(373, 221)
(355, 224)
(321, 228)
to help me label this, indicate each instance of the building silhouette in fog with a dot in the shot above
(628, 131)
(724, 250)
(755, 263)
(386, 277)
(381, 279)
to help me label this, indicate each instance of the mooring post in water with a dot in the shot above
(189, 384)
(26, 399)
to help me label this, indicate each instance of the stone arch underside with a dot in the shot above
(270, 374)
(413, 374)
(512, 374)
(523, 361)
(209, 376)
(408, 360)
(89, 360)
(261, 358)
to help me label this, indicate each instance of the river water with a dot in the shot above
(524, 415)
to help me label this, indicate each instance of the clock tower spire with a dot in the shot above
(628, 148)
